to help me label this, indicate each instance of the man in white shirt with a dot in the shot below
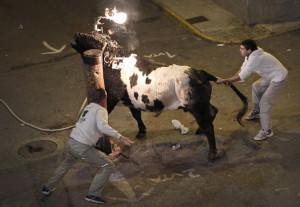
(266, 89)
(92, 124)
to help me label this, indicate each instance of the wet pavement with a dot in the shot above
(48, 91)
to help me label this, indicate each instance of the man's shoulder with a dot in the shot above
(96, 107)
(93, 105)
(99, 108)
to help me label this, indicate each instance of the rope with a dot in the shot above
(31, 125)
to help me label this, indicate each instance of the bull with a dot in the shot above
(156, 87)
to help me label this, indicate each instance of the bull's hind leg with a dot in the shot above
(204, 118)
(213, 154)
(213, 112)
(138, 117)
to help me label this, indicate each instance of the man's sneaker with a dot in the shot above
(46, 191)
(252, 115)
(263, 135)
(94, 199)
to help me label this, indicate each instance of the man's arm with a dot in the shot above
(234, 78)
(103, 126)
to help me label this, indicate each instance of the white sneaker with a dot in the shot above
(263, 134)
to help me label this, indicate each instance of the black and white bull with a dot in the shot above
(156, 88)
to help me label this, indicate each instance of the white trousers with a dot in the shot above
(264, 93)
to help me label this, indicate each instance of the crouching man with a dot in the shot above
(92, 124)
(274, 77)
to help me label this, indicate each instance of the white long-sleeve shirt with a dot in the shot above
(265, 65)
(92, 124)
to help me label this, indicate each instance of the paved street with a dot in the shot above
(42, 81)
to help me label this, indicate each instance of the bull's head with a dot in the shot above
(110, 33)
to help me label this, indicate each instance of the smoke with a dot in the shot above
(125, 34)
(130, 40)
(131, 7)
(133, 43)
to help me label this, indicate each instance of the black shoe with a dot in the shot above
(46, 191)
(94, 199)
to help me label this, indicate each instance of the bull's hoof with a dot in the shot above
(213, 156)
(141, 135)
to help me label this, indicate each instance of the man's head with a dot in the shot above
(99, 96)
(247, 47)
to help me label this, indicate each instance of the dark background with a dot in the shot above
(48, 90)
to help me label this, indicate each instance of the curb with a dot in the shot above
(195, 31)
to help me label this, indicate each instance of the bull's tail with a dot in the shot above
(244, 109)
(204, 76)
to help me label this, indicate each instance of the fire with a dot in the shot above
(124, 62)
(130, 61)
(114, 15)
(118, 17)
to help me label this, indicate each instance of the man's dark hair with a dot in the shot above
(99, 95)
(249, 44)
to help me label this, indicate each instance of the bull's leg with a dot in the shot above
(213, 112)
(199, 131)
(111, 103)
(213, 154)
(204, 119)
(138, 117)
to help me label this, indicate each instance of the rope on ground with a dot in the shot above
(31, 125)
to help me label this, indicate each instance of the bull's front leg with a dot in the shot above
(138, 117)
(111, 103)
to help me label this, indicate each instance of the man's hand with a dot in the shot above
(219, 80)
(126, 140)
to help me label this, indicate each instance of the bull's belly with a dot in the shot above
(159, 98)
(157, 106)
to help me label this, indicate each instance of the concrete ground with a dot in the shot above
(47, 90)
(210, 21)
